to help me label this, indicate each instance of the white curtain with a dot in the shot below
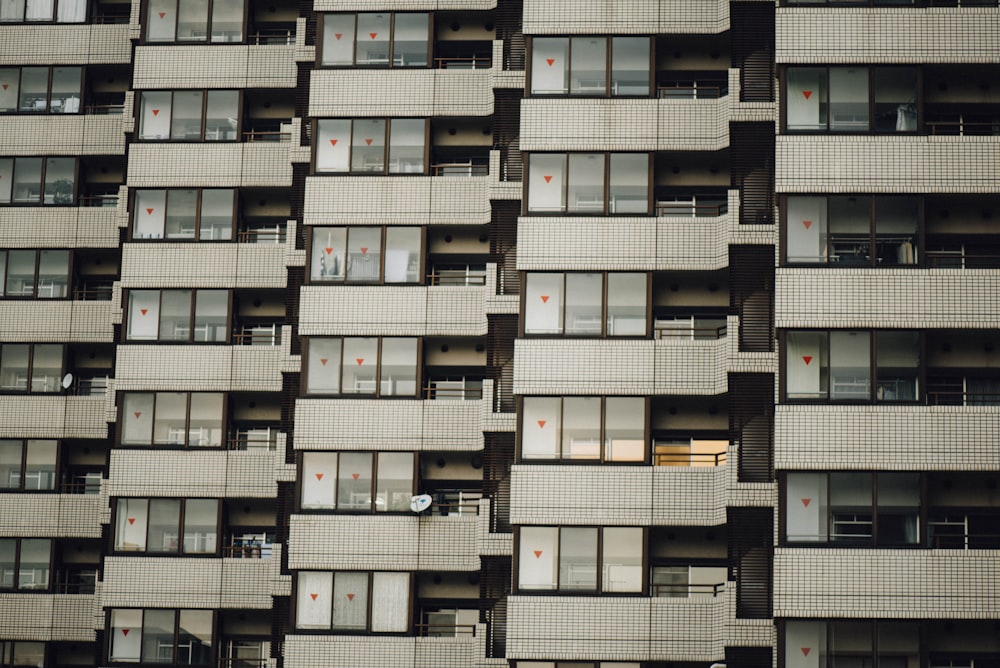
(130, 525)
(39, 10)
(806, 510)
(11, 10)
(538, 557)
(350, 601)
(72, 11)
(540, 428)
(390, 601)
(319, 486)
(314, 597)
(126, 635)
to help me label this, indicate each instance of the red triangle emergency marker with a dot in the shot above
(314, 596)
(373, 34)
(541, 424)
(538, 553)
(131, 520)
(368, 141)
(162, 14)
(338, 35)
(360, 360)
(143, 311)
(125, 632)
(350, 597)
(328, 250)
(319, 476)
(137, 414)
(807, 359)
(324, 360)
(545, 299)
(5, 86)
(333, 142)
(806, 650)
(355, 475)
(807, 93)
(548, 179)
(550, 61)
(806, 502)
(156, 112)
(807, 224)
(364, 250)
(149, 212)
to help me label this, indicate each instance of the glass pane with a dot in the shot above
(187, 115)
(10, 464)
(34, 89)
(154, 119)
(149, 214)
(182, 209)
(137, 414)
(395, 481)
(14, 359)
(143, 315)
(60, 174)
(207, 420)
(622, 559)
(175, 315)
(211, 313)
(66, 82)
(20, 274)
(588, 66)
(549, 65)
(194, 636)
(805, 104)
(34, 569)
(221, 114)
(201, 520)
(171, 414)
(8, 562)
(319, 480)
(125, 635)
(131, 525)
(540, 418)
(27, 181)
(216, 215)
(373, 39)
(338, 40)
(546, 182)
(583, 304)
(630, 66)
(40, 465)
(898, 508)
(227, 20)
(629, 183)
(354, 481)
(192, 21)
(850, 366)
(806, 365)
(350, 601)
(850, 230)
(46, 368)
(581, 428)
(11, 78)
(406, 145)
(851, 506)
(806, 510)
(312, 610)
(390, 602)
(625, 429)
(323, 373)
(158, 636)
(898, 364)
(368, 145)
(161, 20)
(399, 367)
(849, 99)
(328, 246)
(39, 10)
(28, 654)
(896, 230)
(543, 304)
(577, 559)
(164, 525)
(53, 274)
(364, 254)
(537, 558)
(402, 255)
(360, 365)
(6, 182)
(626, 305)
(410, 40)
(585, 193)
(12, 10)
(806, 229)
(333, 146)
(895, 99)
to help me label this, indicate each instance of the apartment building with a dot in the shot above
(528, 333)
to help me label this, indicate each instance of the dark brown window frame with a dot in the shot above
(608, 52)
(378, 370)
(604, 307)
(127, 305)
(320, 32)
(187, 423)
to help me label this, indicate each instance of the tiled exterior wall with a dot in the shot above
(213, 66)
(400, 93)
(41, 416)
(43, 617)
(70, 45)
(199, 368)
(603, 17)
(251, 165)
(51, 515)
(56, 321)
(204, 265)
(58, 227)
(193, 474)
(62, 135)
(305, 651)
(403, 5)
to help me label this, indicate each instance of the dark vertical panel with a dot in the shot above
(751, 424)
(751, 275)
(751, 557)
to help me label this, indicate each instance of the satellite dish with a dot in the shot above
(67, 381)
(419, 504)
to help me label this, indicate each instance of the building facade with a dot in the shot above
(529, 333)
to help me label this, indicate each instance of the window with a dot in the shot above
(43, 11)
(852, 644)
(852, 230)
(588, 183)
(851, 99)
(28, 465)
(371, 146)
(566, 559)
(385, 367)
(355, 255)
(163, 637)
(840, 366)
(25, 563)
(878, 3)
(353, 601)
(31, 367)
(586, 304)
(205, 215)
(183, 316)
(190, 115)
(195, 420)
(45, 181)
(216, 21)
(580, 66)
(375, 40)
(357, 481)
(15, 654)
(575, 664)
(34, 274)
(611, 429)
(167, 526)
(39, 90)
(880, 509)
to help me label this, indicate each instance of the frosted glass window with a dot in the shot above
(538, 558)
(373, 39)
(314, 601)
(585, 191)
(360, 366)
(131, 525)
(806, 229)
(806, 507)
(540, 426)
(192, 21)
(126, 635)
(182, 211)
(161, 20)
(588, 64)
(354, 481)
(806, 104)
(805, 634)
(398, 375)
(170, 419)
(164, 525)
(11, 10)
(546, 182)
(11, 78)
(227, 21)
(628, 183)
(154, 117)
(364, 254)
(390, 602)
(581, 428)
(625, 429)
(543, 304)
(406, 145)
(137, 416)
(323, 373)
(350, 601)
(186, 115)
(175, 315)
(216, 215)
(6, 179)
(368, 145)
(850, 366)
(410, 40)
(328, 247)
(806, 370)
(207, 420)
(72, 11)
(584, 297)
(402, 254)
(211, 315)
(333, 146)
(201, 526)
(549, 65)
(319, 480)
(150, 214)
(395, 481)
(39, 10)
(630, 65)
(626, 314)
(338, 39)
(622, 563)
(577, 559)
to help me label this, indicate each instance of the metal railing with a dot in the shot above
(262, 236)
(687, 590)
(962, 128)
(460, 169)
(456, 277)
(258, 337)
(82, 581)
(453, 393)
(688, 459)
(962, 398)
(272, 136)
(104, 109)
(689, 91)
(442, 630)
(93, 386)
(263, 439)
(100, 201)
(279, 37)
(663, 331)
(961, 259)
(965, 541)
(81, 487)
(454, 508)
(246, 551)
(691, 210)
(464, 63)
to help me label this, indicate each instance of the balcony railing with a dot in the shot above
(963, 128)
(436, 392)
(263, 439)
(457, 277)
(446, 630)
(272, 136)
(271, 37)
(263, 235)
(467, 63)
(689, 459)
(104, 109)
(225, 662)
(100, 201)
(687, 590)
(82, 581)
(691, 90)
(691, 209)
(961, 258)
(258, 335)
(460, 169)
(94, 293)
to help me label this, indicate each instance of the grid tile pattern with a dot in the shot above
(603, 17)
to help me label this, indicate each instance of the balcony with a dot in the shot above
(233, 474)
(63, 134)
(416, 652)
(52, 515)
(223, 265)
(48, 617)
(77, 44)
(59, 227)
(642, 17)
(264, 65)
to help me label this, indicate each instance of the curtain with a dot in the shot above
(11, 10)
(313, 605)
(39, 10)
(390, 601)
(72, 11)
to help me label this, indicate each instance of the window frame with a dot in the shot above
(418, 364)
(920, 391)
(599, 590)
(216, 636)
(145, 18)
(870, 657)
(7, 649)
(18, 110)
(180, 551)
(384, 231)
(170, 139)
(608, 58)
(390, 64)
(55, 16)
(198, 203)
(186, 445)
(918, 243)
(370, 574)
(871, 69)
(373, 486)
(30, 378)
(191, 322)
(602, 458)
(16, 572)
(42, 181)
(606, 205)
(23, 471)
(4, 268)
(605, 275)
(386, 148)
